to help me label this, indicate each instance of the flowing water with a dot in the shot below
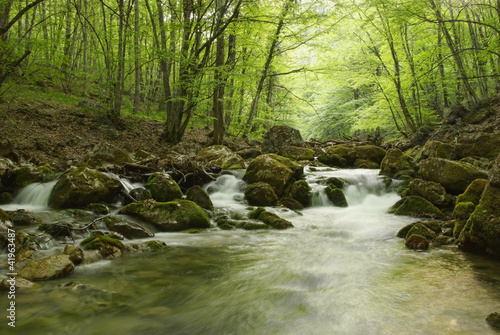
(339, 271)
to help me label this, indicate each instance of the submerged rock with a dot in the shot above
(494, 320)
(169, 216)
(47, 268)
(75, 253)
(79, 187)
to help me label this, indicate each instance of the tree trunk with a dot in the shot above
(137, 57)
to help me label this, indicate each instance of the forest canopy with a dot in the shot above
(329, 68)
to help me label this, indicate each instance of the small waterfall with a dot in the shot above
(227, 189)
(33, 197)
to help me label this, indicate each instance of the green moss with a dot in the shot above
(256, 212)
(155, 245)
(98, 242)
(260, 194)
(301, 191)
(274, 220)
(417, 242)
(291, 203)
(26, 175)
(6, 198)
(415, 206)
(3, 215)
(163, 188)
(336, 196)
(422, 230)
(473, 192)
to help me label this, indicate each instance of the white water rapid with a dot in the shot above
(33, 197)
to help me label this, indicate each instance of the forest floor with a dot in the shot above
(59, 132)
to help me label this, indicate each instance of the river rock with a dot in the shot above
(81, 186)
(20, 283)
(431, 225)
(127, 229)
(169, 216)
(26, 246)
(25, 175)
(430, 191)
(277, 171)
(260, 194)
(461, 213)
(75, 253)
(438, 149)
(417, 242)
(370, 152)
(222, 156)
(290, 203)
(341, 155)
(200, 197)
(270, 219)
(107, 246)
(163, 188)
(482, 231)
(397, 163)
(473, 192)
(297, 153)
(494, 320)
(47, 268)
(279, 137)
(336, 196)
(141, 193)
(301, 191)
(454, 176)
(479, 144)
(105, 154)
(415, 206)
(249, 153)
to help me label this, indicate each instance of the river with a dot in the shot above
(339, 271)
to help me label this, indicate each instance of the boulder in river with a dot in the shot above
(200, 197)
(127, 229)
(270, 219)
(494, 320)
(397, 163)
(47, 268)
(260, 194)
(430, 191)
(482, 231)
(163, 188)
(454, 176)
(336, 196)
(473, 192)
(81, 186)
(301, 191)
(415, 206)
(107, 246)
(417, 242)
(169, 216)
(19, 283)
(340, 155)
(277, 171)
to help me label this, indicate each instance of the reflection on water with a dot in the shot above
(339, 271)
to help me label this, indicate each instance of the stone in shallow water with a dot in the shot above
(47, 268)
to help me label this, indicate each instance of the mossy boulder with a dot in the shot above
(127, 229)
(482, 231)
(79, 187)
(140, 193)
(290, 203)
(297, 153)
(281, 136)
(107, 246)
(249, 153)
(473, 192)
(337, 182)
(260, 194)
(222, 156)
(461, 213)
(494, 320)
(75, 253)
(438, 149)
(417, 242)
(415, 206)
(481, 144)
(433, 226)
(366, 164)
(371, 153)
(270, 219)
(430, 191)
(454, 176)
(25, 175)
(277, 171)
(396, 162)
(336, 196)
(341, 155)
(200, 197)
(423, 230)
(301, 191)
(105, 154)
(47, 268)
(169, 216)
(20, 284)
(163, 188)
